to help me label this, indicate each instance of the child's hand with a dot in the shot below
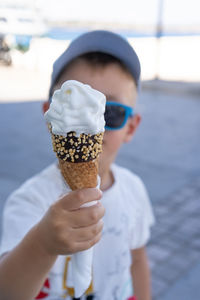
(66, 228)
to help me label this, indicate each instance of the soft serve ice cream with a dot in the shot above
(76, 107)
(76, 118)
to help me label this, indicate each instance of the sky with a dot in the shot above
(176, 12)
(141, 12)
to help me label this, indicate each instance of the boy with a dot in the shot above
(41, 227)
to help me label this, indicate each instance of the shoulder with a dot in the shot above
(26, 206)
(36, 189)
(40, 180)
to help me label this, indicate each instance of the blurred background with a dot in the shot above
(165, 150)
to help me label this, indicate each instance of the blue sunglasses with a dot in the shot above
(116, 115)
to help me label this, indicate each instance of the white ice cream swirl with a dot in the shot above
(76, 107)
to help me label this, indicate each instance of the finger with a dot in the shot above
(76, 199)
(86, 216)
(80, 246)
(87, 233)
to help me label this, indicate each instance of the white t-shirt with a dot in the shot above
(127, 223)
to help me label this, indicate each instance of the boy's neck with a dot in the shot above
(107, 179)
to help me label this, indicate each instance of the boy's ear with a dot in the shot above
(45, 106)
(133, 123)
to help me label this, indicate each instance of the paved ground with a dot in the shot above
(175, 245)
(164, 152)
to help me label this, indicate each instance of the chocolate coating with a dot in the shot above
(77, 149)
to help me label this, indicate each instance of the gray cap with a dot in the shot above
(98, 41)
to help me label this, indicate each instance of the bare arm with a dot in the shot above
(65, 229)
(24, 269)
(141, 274)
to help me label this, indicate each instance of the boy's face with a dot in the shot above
(117, 86)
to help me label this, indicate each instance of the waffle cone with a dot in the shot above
(80, 175)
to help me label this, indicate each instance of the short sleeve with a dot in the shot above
(23, 209)
(141, 229)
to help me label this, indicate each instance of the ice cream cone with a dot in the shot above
(78, 158)
(80, 175)
(76, 122)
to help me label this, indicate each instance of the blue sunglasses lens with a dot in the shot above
(115, 116)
